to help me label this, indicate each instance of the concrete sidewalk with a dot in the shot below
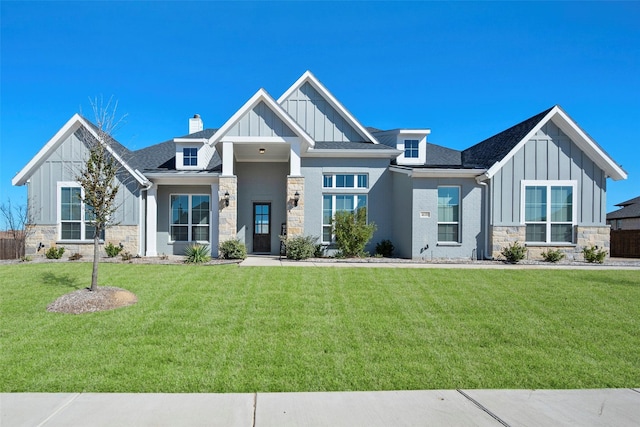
(601, 407)
(277, 261)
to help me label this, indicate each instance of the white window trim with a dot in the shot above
(333, 212)
(190, 224)
(417, 149)
(350, 189)
(458, 223)
(180, 157)
(550, 183)
(72, 184)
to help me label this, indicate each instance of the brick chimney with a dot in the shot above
(195, 124)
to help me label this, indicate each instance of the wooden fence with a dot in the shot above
(8, 248)
(625, 243)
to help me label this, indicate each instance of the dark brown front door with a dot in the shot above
(262, 227)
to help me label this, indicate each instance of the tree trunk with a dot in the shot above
(96, 247)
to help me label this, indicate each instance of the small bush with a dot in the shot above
(514, 253)
(233, 249)
(593, 254)
(385, 248)
(75, 257)
(26, 258)
(113, 250)
(552, 255)
(300, 247)
(54, 252)
(197, 254)
(352, 232)
(319, 251)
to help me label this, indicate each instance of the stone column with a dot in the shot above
(295, 214)
(228, 215)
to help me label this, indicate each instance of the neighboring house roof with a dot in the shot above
(495, 152)
(119, 152)
(630, 209)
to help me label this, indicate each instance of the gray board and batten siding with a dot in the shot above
(64, 165)
(260, 121)
(549, 155)
(318, 117)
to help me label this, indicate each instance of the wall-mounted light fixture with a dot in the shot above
(296, 199)
(226, 198)
(40, 246)
(261, 150)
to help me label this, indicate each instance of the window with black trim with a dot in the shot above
(189, 217)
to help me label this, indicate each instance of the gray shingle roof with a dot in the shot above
(492, 150)
(324, 145)
(630, 209)
(207, 133)
(438, 155)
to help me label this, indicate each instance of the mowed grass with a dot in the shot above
(231, 329)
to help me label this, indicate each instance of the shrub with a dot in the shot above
(385, 248)
(593, 254)
(514, 253)
(197, 253)
(233, 249)
(300, 247)
(552, 255)
(113, 250)
(352, 232)
(54, 252)
(319, 251)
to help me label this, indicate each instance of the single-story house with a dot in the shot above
(287, 165)
(627, 217)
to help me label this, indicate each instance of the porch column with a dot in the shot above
(227, 158)
(228, 215)
(294, 161)
(295, 214)
(152, 221)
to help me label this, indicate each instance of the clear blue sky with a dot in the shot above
(464, 70)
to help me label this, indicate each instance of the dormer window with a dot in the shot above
(411, 148)
(190, 157)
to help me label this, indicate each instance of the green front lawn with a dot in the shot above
(231, 329)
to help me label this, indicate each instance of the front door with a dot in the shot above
(262, 227)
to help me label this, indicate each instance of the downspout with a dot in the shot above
(142, 236)
(482, 182)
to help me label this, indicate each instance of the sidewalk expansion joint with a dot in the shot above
(60, 409)
(255, 406)
(483, 408)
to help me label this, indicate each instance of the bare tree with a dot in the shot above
(97, 177)
(18, 221)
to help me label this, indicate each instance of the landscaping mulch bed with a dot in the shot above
(88, 301)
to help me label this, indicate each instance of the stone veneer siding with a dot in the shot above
(586, 236)
(128, 235)
(295, 214)
(228, 215)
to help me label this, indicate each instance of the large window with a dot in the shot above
(411, 148)
(332, 203)
(190, 157)
(190, 217)
(548, 212)
(449, 214)
(75, 217)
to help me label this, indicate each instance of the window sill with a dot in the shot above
(76, 242)
(544, 244)
(449, 244)
(191, 242)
